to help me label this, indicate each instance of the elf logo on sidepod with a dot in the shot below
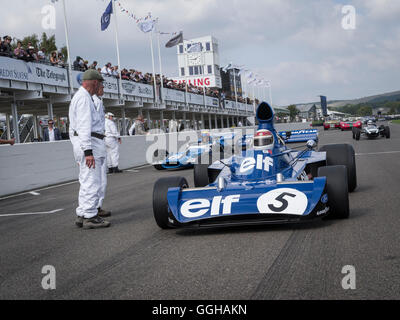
(199, 207)
(248, 164)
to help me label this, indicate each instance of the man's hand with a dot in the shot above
(90, 162)
(12, 141)
(119, 140)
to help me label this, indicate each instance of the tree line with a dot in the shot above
(366, 109)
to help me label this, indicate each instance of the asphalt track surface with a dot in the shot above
(134, 259)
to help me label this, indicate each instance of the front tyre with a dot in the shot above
(338, 195)
(342, 154)
(162, 215)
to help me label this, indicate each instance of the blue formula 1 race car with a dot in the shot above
(302, 135)
(186, 158)
(269, 183)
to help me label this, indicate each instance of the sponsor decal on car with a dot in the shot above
(248, 164)
(283, 201)
(323, 211)
(199, 207)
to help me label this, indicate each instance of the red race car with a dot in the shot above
(346, 125)
(357, 124)
(331, 124)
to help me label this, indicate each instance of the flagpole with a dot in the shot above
(118, 56)
(270, 93)
(68, 51)
(154, 73)
(254, 100)
(159, 58)
(204, 80)
(234, 83)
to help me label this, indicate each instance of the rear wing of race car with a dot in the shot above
(299, 135)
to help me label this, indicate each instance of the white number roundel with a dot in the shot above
(283, 201)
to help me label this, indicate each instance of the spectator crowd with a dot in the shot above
(55, 58)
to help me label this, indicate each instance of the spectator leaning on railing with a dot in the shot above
(6, 46)
(56, 59)
(19, 51)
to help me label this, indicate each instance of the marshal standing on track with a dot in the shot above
(87, 138)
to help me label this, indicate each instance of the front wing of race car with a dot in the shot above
(241, 204)
(299, 135)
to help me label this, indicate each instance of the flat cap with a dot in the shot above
(92, 74)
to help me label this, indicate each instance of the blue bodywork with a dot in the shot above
(258, 186)
(302, 135)
(187, 158)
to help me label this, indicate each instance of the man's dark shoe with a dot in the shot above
(103, 213)
(116, 170)
(95, 223)
(79, 222)
(110, 170)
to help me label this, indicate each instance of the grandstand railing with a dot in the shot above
(13, 72)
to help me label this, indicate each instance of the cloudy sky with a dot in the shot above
(300, 46)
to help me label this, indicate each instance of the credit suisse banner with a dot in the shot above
(19, 70)
(174, 95)
(136, 89)
(195, 98)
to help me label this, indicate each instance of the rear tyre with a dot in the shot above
(162, 215)
(338, 195)
(342, 154)
(387, 132)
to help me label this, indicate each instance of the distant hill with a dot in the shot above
(385, 97)
(379, 98)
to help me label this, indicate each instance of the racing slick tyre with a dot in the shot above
(387, 132)
(357, 134)
(159, 155)
(338, 195)
(200, 174)
(162, 215)
(342, 154)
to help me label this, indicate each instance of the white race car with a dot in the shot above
(372, 131)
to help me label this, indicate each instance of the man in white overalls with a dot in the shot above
(87, 133)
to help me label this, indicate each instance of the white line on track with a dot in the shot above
(376, 153)
(30, 213)
(59, 185)
(34, 193)
(47, 188)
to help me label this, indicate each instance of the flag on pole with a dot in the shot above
(228, 66)
(175, 40)
(195, 47)
(147, 25)
(106, 17)
(250, 75)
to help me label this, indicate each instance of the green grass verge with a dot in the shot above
(396, 121)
